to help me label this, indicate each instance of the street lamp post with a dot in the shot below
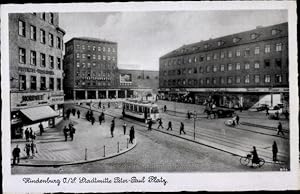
(195, 116)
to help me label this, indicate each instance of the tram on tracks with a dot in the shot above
(141, 110)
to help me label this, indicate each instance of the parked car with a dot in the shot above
(262, 107)
(220, 112)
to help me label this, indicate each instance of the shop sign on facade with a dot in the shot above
(23, 100)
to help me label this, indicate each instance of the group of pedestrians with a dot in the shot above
(160, 125)
(30, 149)
(69, 131)
(255, 158)
(29, 134)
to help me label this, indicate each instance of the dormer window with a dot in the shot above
(220, 43)
(275, 32)
(235, 40)
(253, 36)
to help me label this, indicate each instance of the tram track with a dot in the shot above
(230, 143)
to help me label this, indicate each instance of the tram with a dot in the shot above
(141, 110)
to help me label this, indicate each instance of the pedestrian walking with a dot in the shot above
(169, 126)
(72, 131)
(131, 134)
(41, 129)
(92, 120)
(237, 118)
(27, 149)
(27, 134)
(103, 117)
(99, 105)
(276, 115)
(108, 105)
(16, 155)
(181, 128)
(33, 148)
(267, 111)
(30, 133)
(100, 119)
(112, 128)
(165, 108)
(280, 129)
(160, 124)
(188, 115)
(150, 124)
(78, 114)
(124, 128)
(66, 133)
(275, 151)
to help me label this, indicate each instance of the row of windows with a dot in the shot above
(99, 57)
(222, 55)
(43, 83)
(95, 48)
(225, 80)
(42, 57)
(42, 35)
(50, 17)
(228, 67)
(89, 65)
(93, 83)
(93, 74)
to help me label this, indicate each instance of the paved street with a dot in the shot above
(158, 151)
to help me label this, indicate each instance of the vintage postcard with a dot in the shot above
(151, 96)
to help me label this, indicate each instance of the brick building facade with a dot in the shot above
(90, 66)
(236, 70)
(36, 69)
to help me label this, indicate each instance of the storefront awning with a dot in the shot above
(39, 113)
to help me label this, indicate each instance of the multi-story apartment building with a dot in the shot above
(36, 69)
(90, 66)
(137, 83)
(235, 70)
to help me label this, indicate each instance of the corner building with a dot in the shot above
(239, 70)
(36, 69)
(90, 65)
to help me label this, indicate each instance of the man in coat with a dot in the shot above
(16, 154)
(131, 134)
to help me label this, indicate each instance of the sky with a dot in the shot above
(143, 37)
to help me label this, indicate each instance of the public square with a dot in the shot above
(215, 148)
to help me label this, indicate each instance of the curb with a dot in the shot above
(78, 162)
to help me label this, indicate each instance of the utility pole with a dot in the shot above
(195, 116)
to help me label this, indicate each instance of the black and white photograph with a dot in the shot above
(166, 96)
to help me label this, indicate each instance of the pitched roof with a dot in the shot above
(260, 34)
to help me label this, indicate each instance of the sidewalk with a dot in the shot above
(88, 144)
